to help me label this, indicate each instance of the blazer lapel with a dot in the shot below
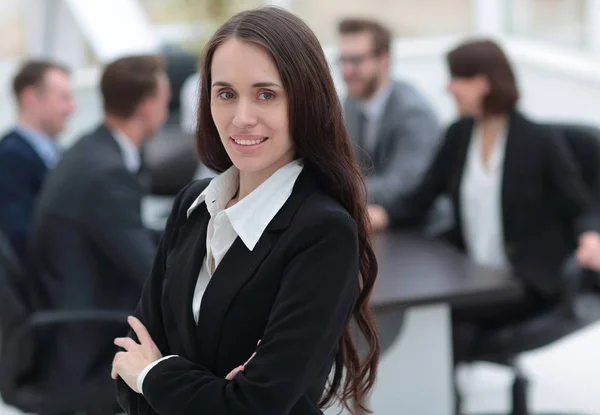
(511, 171)
(238, 266)
(351, 119)
(184, 265)
(463, 143)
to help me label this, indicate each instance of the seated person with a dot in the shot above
(43, 93)
(518, 197)
(89, 247)
(394, 129)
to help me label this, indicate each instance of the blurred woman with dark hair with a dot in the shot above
(519, 201)
(260, 269)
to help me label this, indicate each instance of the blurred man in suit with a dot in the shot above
(43, 94)
(89, 246)
(394, 128)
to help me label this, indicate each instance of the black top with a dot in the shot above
(545, 203)
(294, 291)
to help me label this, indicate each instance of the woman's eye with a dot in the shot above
(266, 96)
(226, 95)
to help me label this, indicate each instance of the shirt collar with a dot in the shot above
(131, 154)
(250, 216)
(43, 145)
(374, 106)
(498, 151)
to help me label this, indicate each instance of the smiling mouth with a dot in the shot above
(246, 142)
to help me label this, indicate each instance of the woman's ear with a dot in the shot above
(484, 83)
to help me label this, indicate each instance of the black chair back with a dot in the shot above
(16, 352)
(24, 345)
(171, 161)
(13, 305)
(584, 143)
(180, 65)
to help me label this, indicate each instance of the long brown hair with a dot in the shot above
(321, 139)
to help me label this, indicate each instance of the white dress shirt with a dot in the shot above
(131, 153)
(481, 203)
(247, 219)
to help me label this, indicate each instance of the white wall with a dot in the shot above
(7, 71)
(556, 84)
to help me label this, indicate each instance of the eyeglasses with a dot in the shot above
(355, 60)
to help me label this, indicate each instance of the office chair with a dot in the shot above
(180, 64)
(21, 332)
(584, 143)
(578, 308)
(580, 301)
(170, 160)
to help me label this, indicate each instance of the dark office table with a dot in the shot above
(419, 280)
(417, 270)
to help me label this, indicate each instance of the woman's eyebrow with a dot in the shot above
(255, 85)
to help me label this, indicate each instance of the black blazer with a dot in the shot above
(22, 172)
(295, 292)
(545, 204)
(89, 249)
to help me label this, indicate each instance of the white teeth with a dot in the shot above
(248, 142)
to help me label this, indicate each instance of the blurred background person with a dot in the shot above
(42, 90)
(90, 249)
(395, 130)
(517, 191)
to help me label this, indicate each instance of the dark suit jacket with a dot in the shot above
(545, 204)
(22, 172)
(89, 248)
(295, 291)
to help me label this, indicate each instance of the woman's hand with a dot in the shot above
(130, 363)
(241, 368)
(379, 217)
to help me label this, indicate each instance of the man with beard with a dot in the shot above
(394, 128)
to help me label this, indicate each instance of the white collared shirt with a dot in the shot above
(131, 154)
(481, 203)
(247, 219)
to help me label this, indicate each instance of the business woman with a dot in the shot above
(518, 198)
(260, 269)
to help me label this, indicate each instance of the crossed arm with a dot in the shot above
(316, 295)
